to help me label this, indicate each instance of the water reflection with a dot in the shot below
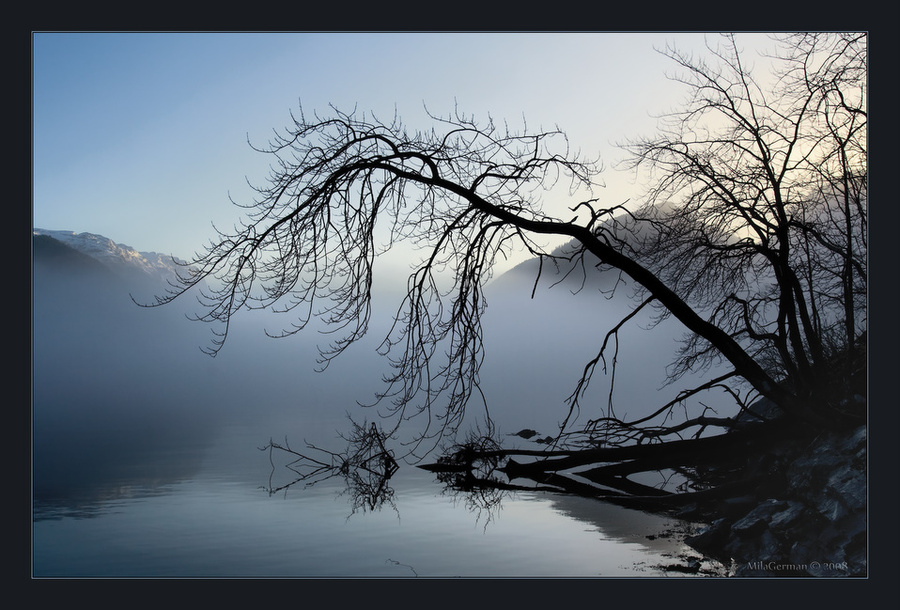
(85, 456)
(366, 467)
(661, 536)
(221, 521)
(469, 477)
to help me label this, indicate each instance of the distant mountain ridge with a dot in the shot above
(117, 257)
(564, 267)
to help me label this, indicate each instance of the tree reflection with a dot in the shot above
(471, 473)
(696, 474)
(366, 467)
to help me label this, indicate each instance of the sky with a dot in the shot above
(143, 137)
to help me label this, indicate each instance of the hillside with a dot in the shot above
(83, 251)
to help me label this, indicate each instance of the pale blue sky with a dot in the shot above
(142, 136)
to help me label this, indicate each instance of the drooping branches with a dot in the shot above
(348, 187)
(751, 235)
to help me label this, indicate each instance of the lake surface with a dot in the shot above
(146, 459)
(147, 519)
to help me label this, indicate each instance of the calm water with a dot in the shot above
(146, 459)
(219, 521)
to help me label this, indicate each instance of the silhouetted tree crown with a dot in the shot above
(752, 232)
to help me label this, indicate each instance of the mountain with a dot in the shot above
(123, 260)
(84, 289)
(570, 268)
(567, 272)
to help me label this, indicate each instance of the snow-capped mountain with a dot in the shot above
(117, 257)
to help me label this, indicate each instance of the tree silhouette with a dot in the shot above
(752, 235)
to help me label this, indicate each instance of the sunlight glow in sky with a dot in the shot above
(141, 137)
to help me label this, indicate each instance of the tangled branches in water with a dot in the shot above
(366, 466)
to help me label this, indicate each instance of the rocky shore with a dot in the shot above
(810, 520)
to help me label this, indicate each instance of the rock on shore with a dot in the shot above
(815, 524)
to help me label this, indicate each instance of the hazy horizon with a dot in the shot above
(143, 137)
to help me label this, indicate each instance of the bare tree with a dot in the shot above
(759, 213)
(752, 236)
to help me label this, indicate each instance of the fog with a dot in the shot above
(114, 383)
(538, 346)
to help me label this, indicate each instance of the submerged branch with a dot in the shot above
(366, 467)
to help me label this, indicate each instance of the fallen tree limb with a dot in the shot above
(638, 458)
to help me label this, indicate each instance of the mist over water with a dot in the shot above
(537, 348)
(133, 426)
(115, 379)
(114, 383)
